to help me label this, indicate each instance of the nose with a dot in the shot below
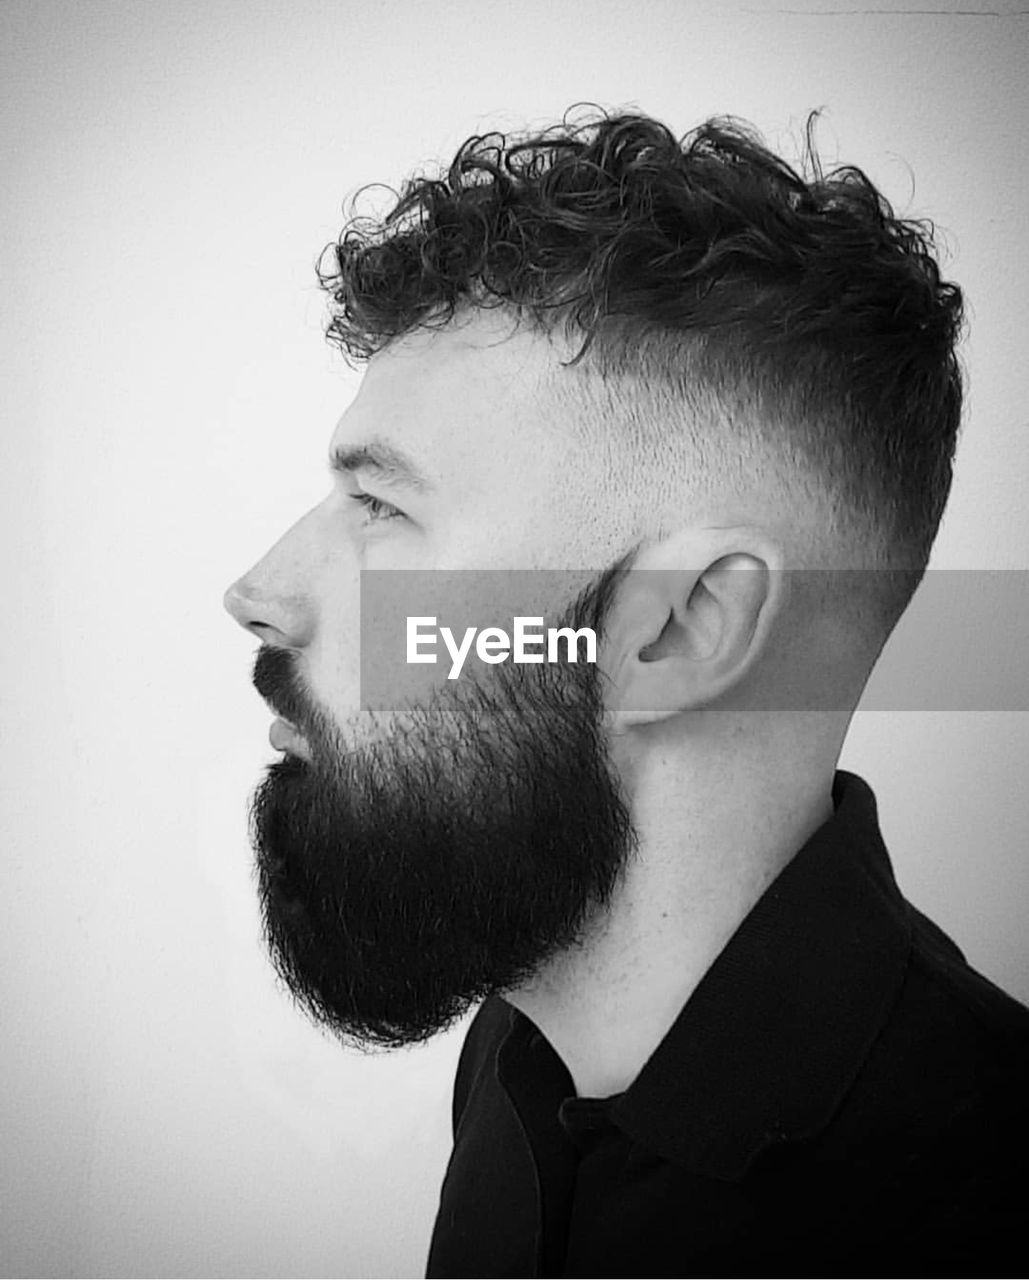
(273, 600)
(284, 621)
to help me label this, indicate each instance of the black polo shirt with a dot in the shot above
(840, 1096)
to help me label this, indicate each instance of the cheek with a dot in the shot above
(331, 663)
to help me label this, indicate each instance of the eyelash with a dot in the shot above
(375, 507)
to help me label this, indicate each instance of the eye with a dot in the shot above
(375, 509)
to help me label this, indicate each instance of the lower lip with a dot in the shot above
(284, 737)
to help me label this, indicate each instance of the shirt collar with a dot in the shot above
(773, 1035)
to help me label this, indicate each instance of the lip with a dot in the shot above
(286, 737)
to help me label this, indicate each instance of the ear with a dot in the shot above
(693, 617)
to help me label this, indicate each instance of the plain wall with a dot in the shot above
(170, 172)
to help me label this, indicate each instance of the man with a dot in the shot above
(714, 1038)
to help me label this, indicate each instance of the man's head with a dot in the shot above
(601, 349)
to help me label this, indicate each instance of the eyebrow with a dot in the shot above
(388, 465)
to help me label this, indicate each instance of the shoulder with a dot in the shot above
(923, 1161)
(952, 1023)
(939, 1111)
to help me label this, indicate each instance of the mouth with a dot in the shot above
(284, 736)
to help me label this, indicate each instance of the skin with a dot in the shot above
(721, 794)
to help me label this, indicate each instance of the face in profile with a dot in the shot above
(443, 859)
(414, 862)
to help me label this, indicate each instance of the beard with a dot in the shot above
(408, 874)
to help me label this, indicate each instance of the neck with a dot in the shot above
(708, 848)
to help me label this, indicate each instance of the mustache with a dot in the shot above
(276, 678)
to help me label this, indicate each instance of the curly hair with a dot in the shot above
(803, 288)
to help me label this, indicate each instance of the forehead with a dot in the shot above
(471, 399)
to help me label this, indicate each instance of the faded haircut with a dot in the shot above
(810, 320)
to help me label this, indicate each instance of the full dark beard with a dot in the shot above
(405, 878)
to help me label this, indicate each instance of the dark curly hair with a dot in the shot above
(803, 295)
